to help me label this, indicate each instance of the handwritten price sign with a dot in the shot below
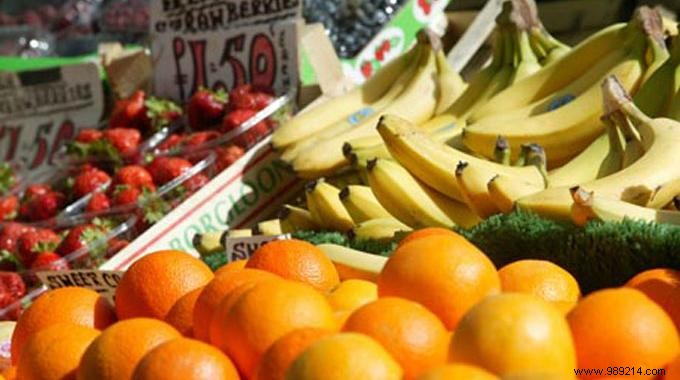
(193, 49)
(42, 109)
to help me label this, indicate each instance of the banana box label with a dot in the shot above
(42, 109)
(240, 248)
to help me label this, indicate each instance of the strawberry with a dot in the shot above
(32, 242)
(134, 176)
(199, 138)
(173, 141)
(9, 206)
(49, 261)
(130, 112)
(9, 234)
(35, 190)
(12, 284)
(261, 100)
(7, 178)
(124, 140)
(206, 108)
(42, 207)
(235, 118)
(241, 98)
(165, 169)
(79, 237)
(194, 183)
(226, 156)
(99, 202)
(253, 135)
(159, 113)
(89, 181)
(126, 195)
(89, 135)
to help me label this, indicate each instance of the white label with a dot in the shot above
(263, 55)
(241, 248)
(196, 16)
(42, 109)
(102, 282)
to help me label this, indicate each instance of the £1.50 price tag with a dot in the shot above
(42, 109)
(220, 57)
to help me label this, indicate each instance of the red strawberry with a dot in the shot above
(9, 206)
(241, 98)
(199, 138)
(89, 135)
(49, 261)
(9, 234)
(99, 202)
(235, 118)
(124, 140)
(134, 176)
(126, 195)
(206, 108)
(159, 113)
(12, 284)
(32, 242)
(129, 113)
(89, 181)
(173, 141)
(227, 156)
(42, 207)
(252, 136)
(36, 190)
(165, 169)
(261, 100)
(194, 183)
(78, 237)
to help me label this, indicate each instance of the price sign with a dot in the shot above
(217, 53)
(244, 247)
(102, 282)
(42, 109)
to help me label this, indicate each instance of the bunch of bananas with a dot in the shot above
(543, 127)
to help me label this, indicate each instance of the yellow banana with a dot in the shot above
(504, 191)
(451, 85)
(268, 228)
(325, 206)
(472, 184)
(364, 264)
(362, 204)
(296, 219)
(382, 229)
(240, 233)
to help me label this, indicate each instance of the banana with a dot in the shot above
(588, 205)
(417, 104)
(358, 100)
(358, 156)
(209, 242)
(361, 116)
(563, 132)
(296, 219)
(600, 159)
(345, 178)
(656, 96)
(362, 204)
(268, 228)
(238, 234)
(352, 263)
(504, 191)
(472, 184)
(434, 163)
(558, 74)
(451, 85)
(551, 49)
(403, 196)
(653, 178)
(325, 207)
(382, 229)
(501, 152)
(527, 60)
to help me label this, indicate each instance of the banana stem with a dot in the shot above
(502, 151)
(616, 142)
(536, 156)
(522, 158)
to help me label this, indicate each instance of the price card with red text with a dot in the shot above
(42, 109)
(204, 44)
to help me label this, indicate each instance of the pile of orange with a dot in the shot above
(439, 309)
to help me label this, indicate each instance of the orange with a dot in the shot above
(183, 359)
(296, 260)
(663, 287)
(345, 356)
(152, 285)
(10, 373)
(216, 290)
(458, 371)
(55, 352)
(446, 274)
(542, 279)
(117, 351)
(79, 306)
(414, 336)
(673, 370)
(352, 294)
(622, 327)
(233, 266)
(514, 333)
(278, 358)
(181, 315)
(426, 232)
(263, 314)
